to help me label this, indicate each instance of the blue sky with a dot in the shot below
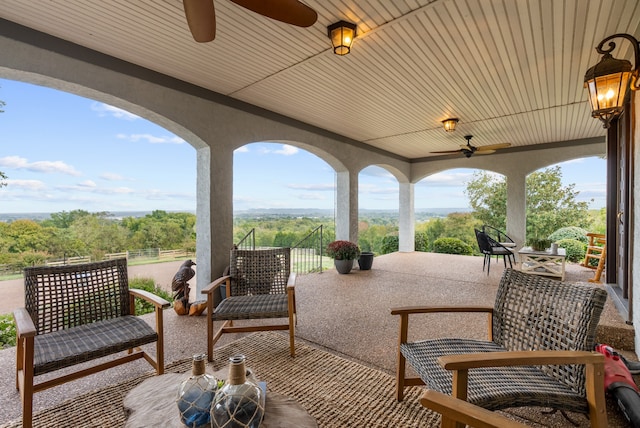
(63, 152)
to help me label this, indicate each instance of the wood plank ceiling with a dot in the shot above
(511, 70)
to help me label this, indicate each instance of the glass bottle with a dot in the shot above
(195, 395)
(240, 401)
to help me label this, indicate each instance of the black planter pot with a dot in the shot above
(365, 261)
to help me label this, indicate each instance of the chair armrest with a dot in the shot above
(518, 358)
(215, 284)
(24, 323)
(291, 282)
(408, 310)
(156, 301)
(454, 409)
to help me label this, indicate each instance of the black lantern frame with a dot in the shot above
(608, 80)
(342, 34)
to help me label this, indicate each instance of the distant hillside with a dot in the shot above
(256, 213)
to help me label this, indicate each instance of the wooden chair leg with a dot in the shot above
(160, 342)
(26, 381)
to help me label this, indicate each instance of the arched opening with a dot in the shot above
(378, 210)
(283, 192)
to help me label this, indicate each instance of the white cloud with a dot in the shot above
(311, 197)
(88, 184)
(152, 139)
(243, 149)
(47, 167)
(106, 110)
(285, 150)
(25, 184)
(316, 187)
(111, 176)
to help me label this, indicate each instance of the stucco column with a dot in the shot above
(407, 221)
(517, 208)
(214, 215)
(347, 206)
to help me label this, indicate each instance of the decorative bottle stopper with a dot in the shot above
(240, 401)
(196, 394)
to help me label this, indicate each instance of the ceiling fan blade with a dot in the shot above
(484, 152)
(287, 11)
(201, 17)
(494, 147)
(448, 152)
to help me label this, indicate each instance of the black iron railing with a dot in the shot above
(306, 255)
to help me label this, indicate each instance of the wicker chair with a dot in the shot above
(455, 410)
(260, 285)
(490, 247)
(75, 314)
(539, 353)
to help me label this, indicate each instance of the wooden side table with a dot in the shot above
(543, 263)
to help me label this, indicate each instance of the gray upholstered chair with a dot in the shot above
(75, 314)
(539, 351)
(260, 285)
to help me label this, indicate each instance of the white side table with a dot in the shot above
(543, 263)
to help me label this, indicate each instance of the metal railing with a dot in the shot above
(306, 255)
(248, 242)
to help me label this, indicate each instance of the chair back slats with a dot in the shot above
(536, 313)
(67, 296)
(264, 271)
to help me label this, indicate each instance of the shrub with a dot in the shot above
(7, 331)
(452, 246)
(574, 248)
(421, 241)
(147, 284)
(390, 244)
(343, 250)
(570, 232)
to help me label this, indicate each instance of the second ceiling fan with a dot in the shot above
(468, 150)
(201, 14)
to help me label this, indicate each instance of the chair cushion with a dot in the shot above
(491, 388)
(252, 307)
(67, 347)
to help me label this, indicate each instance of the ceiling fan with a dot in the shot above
(201, 14)
(468, 150)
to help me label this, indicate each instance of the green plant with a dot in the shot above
(452, 246)
(539, 244)
(7, 331)
(570, 232)
(147, 284)
(574, 248)
(343, 250)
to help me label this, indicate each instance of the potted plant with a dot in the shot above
(539, 244)
(343, 254)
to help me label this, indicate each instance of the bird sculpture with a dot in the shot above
(180, 287)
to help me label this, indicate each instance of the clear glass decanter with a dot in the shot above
(240, 402)
(195, 395)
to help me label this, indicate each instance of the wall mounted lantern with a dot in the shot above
(342, 34)
(450, 124)
(608, 80)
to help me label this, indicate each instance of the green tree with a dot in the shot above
(63, 220)
(3, 177)
(550, 205)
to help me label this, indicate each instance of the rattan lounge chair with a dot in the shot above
(539, 351)
(455, 410)
(75, 314)
(260, 285)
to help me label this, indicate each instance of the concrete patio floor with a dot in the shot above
(345, 314)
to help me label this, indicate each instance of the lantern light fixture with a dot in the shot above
(342, 34)
(608, 80)
(450, 124)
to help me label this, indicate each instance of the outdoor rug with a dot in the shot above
(336, 391)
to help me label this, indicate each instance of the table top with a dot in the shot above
(529, 251)
(153, 404)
